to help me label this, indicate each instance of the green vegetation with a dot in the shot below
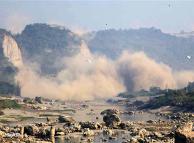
(179, 98)
(28, 100)
(183, 98)
(151, 92)
(133, 94)
(7, 103)
(46, 44)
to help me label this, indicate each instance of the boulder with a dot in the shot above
(60, 133)
(133, 140)
(134, 131)
(87, 132)
(158, 135)
(107, 132)
(111, 120)
(43, 133)
(143, 133)
(185, 134)
(31, 130)
(38, 100)
(66, 119)
(2, 134)
(125, 125)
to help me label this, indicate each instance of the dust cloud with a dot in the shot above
(88, 76)
(85, 77)
(138, 71)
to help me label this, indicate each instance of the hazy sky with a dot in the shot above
(170, 16)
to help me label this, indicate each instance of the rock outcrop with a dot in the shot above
(110, 117)
(12, 51)
(185, 134)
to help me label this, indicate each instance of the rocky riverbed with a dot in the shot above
(41, 120)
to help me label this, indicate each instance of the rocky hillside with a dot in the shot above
(47, 45)
(175, 51)
(42, 44)
(10, 59)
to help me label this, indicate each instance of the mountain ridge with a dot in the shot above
(162, 47)
(46, 44)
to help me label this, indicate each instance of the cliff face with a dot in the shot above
(10, 60)
(12, 51)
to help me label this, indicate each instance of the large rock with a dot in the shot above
(185, 134)
(31, 130)
(60, 133)
(2, 133)
(87, 132)
(66, 119)
(133, 140)
(107, 132)
(111, 120)
(43, 133)
(126, 125)
(12, 51)
(143, 133)
(158, 135)
(38, 100)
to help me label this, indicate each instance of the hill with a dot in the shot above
(177, 52)
(47, 45)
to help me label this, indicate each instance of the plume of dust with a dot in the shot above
(85, 77)
(138, 71)
(182, 78)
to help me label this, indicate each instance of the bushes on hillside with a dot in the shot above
(7, 103)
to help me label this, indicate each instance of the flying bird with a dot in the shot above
(189, 57)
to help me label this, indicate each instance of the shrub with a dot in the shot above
(7, 103)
